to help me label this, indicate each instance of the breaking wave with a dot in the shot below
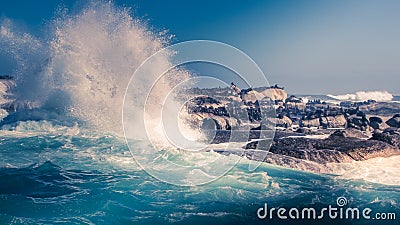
(380, 96)
(82, 66)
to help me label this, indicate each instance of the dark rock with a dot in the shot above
(358, 122)
(381, 108)
(376, 119)
(392, 139)
(392, 130)
(352, 111)
(375, 125)
(293, 98)
(336, 148)
(394, 121)
(223, 136)
(302, 130)
(361, 114)
(349, 133)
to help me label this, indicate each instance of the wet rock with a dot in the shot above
(375, 125)
(394, 121)
(210, 121)
(355, 121)
(375, 119)
(352, 111)
(388, 137)
(339, 147)
(349, 133)
(358, 122)
(392, 130)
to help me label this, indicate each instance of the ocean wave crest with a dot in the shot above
(380, 96)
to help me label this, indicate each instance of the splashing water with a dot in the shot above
(83, 68)
(380, 96)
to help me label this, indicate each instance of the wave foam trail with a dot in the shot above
(380, 96)
(377, 170)
(83, 67)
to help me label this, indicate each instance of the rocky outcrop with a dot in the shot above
(325, 117)
(295, 103)
(248, 106)
(338, 121)
(209, 113)
(251, 95)
(358, 122)
(390, 136)
(381, 108)
(375, 122)
(394, 121)
(210, 121)
(310, 122)
(338, 147)
(274, 93)
(375, 119)
(350, 133)
(281, 121)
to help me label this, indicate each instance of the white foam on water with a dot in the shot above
(380, 96)
(382, 170)
(83, 66)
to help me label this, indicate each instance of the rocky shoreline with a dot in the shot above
(352, 131)
(341, 146)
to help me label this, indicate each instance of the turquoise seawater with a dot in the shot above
(75, 69)
(62, 175)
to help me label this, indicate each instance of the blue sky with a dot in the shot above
(338, 47)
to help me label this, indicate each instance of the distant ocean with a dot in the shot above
(64, 161)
